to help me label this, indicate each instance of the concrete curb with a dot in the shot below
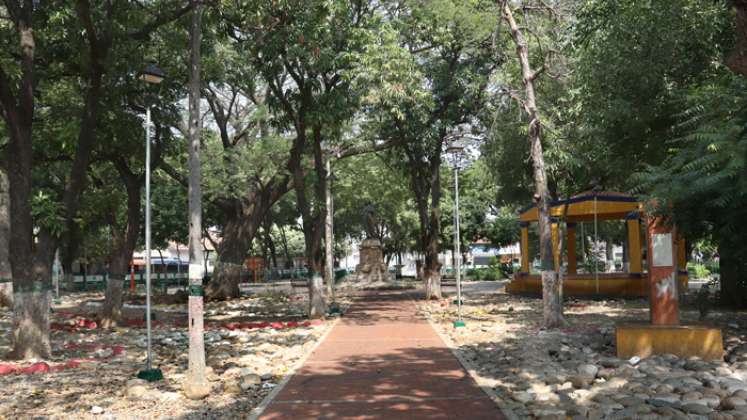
(470, 368)
(258, 410)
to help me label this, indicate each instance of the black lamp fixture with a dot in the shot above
(152, 74)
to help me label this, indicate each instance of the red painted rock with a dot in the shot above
(6, 369)
(40, 367)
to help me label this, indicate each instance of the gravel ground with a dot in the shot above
(244, 364)
(574, 372)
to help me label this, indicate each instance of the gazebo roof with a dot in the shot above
(606, 205)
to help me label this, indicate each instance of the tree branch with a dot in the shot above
(143, 33)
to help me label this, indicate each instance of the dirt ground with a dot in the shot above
(251, 344)
(574, 372)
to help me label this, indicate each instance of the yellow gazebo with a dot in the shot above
(591, 207)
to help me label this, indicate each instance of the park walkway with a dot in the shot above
(382, 361)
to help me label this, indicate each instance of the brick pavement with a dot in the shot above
(382, 361)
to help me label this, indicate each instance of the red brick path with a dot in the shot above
(382, 361)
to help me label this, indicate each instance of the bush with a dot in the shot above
(698, 271)
(485, 273)
(588, 264)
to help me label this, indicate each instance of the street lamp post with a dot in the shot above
(456, 151)
(154, 75)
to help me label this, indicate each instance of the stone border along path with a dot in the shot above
(381, 360)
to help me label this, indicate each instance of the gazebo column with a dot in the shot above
(571, 247)
(524, 246)
(634, 244)
(681, 254)
(555, 227)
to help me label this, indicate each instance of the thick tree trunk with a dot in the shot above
(552, 298)
(238, 234)
(30, 285)
(111, 312)
(737, 59)
(6, 285)
(243, 218)
(432, 276)
(733, 271)
(196, 385)
(428, 198)
(317, 306)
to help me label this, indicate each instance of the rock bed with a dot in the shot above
(243, 366)
(574, 372)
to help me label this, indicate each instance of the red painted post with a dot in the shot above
(132, 277)
(662, 271)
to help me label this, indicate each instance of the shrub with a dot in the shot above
(698, 271)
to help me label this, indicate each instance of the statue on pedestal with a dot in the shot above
(371, 266)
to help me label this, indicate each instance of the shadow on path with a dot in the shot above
(382, 361)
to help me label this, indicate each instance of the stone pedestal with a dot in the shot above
(664, 333)
(644, 340)
(371, 267)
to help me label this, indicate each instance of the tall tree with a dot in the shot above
(249, 155)
(428, 72)
(197, 386)
(29, 265)
(302, 51)
(552, 298)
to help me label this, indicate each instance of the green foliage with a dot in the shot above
(704, 177)
(368, 180)
(698, 271)
(635, 58)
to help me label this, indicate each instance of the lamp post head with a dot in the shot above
(152, 74)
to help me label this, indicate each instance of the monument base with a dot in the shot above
(644, 340)
(371, 267)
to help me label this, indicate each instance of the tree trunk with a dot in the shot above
(238, 234)
(329, 271)
(30, 284)
(429, 215)
(125, 242)
(737, 59)
(111, 312)
(196, 385)
(284, 240)
(313, 226)
(271, 246)
(312, 222)
(551, 285)
(243, 219)
(6, 285)
(733, 270)
(317, 306)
